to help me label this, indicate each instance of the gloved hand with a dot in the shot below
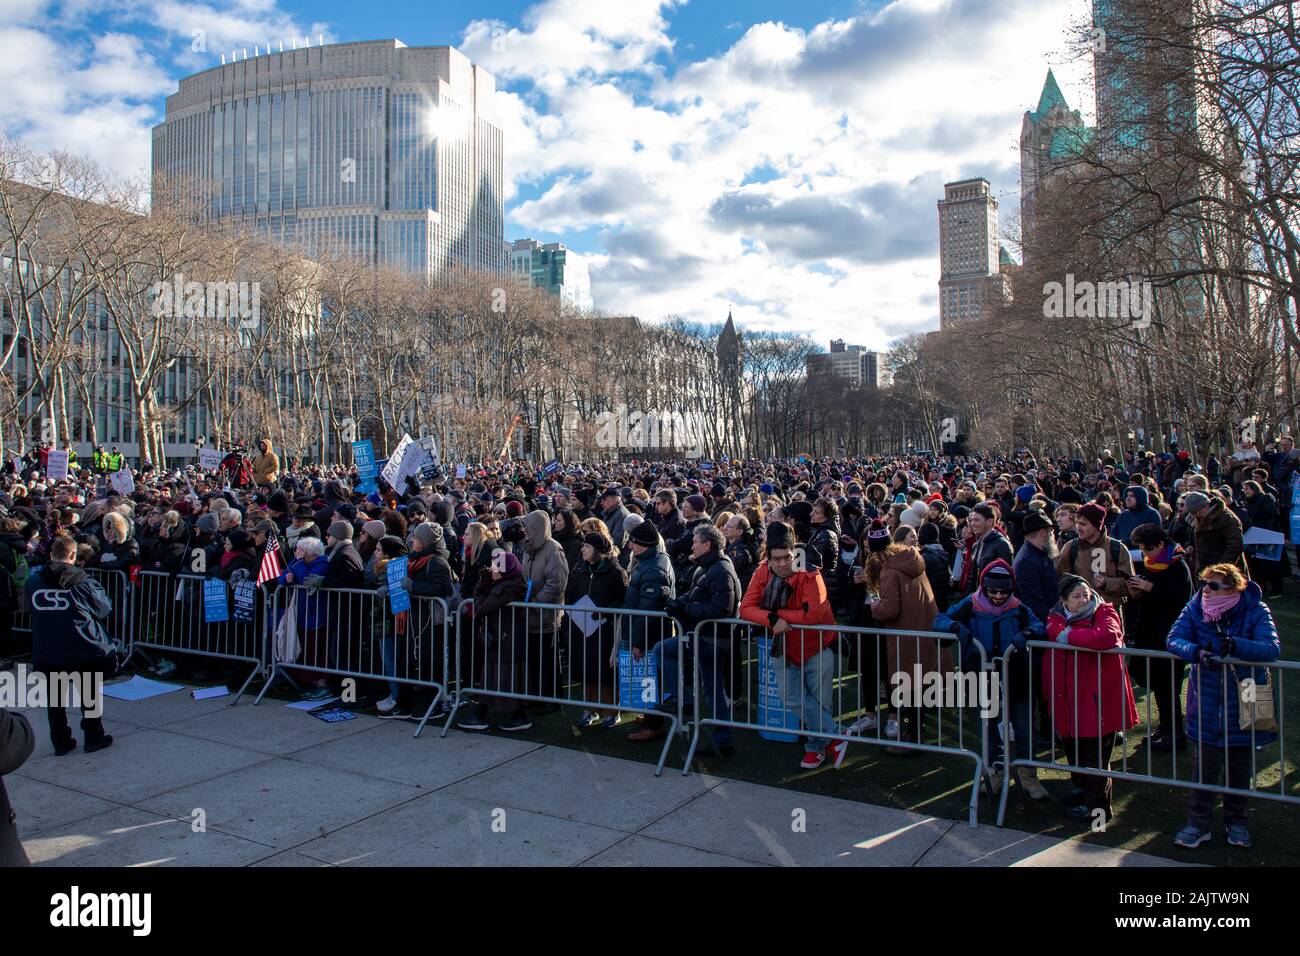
(1206, 659)
(1020, 640)
(407, 584)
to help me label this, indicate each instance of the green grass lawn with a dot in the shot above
(1147, 814)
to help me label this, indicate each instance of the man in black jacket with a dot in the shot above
(16, 744)
(694, 514)
(713, 593)
(68, 637)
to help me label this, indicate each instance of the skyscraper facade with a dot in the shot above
(1051, 137)
(388, 153)
(554, 267)
(968, 252)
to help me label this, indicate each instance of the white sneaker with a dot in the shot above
(862, 725)
(387, 705)
(891, 729)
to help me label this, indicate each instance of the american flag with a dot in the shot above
(271, 566)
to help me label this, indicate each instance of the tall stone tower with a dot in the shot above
(1050, 136)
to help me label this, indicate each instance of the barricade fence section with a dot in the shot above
(1223, 723)
(512, 654)
(120, 624)
(312, 633)
(189, 614)
(836, 685)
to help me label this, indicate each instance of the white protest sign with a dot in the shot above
(122, 481)
(460, 471)
(210, 459)
(57, 467)
(405, 460)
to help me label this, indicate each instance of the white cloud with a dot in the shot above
(856, 124)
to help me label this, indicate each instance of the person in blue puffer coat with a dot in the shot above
(1137, 511)
(1227, 617)
(996, 620)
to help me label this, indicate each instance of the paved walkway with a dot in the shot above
(278, 787)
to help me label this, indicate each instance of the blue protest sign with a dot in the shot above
(363, 453)
(772, 711)
(214, 601)
(637, 681)
(1295, 527)
(399, 599)
(245, 601)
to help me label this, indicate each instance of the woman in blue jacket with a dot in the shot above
(995, 619)
(1226, 618)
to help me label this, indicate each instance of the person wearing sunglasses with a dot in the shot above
(1227, 617)
(996, 620)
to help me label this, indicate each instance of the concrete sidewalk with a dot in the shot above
(278, 787)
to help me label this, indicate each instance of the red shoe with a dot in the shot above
(812, 760)
(837, 750)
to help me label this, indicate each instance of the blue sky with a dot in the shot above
(779, 158)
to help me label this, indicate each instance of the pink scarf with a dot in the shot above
(1216, 606)
(982, 604)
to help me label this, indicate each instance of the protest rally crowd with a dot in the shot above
(1140, 550)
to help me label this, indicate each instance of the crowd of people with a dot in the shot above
(1139, 550)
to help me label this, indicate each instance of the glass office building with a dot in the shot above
(386, 152)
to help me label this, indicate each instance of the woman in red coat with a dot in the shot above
(1092, 699)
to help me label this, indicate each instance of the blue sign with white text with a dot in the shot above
(214, 601)
(398, 597)
(363, 453)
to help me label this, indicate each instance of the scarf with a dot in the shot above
(1162, 558)
(982, 604)
(1084, 613)
(776, 594)
(1214, 608)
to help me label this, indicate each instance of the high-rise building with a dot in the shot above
(854, 364)
(554, 267)
(390, 153)
(968, 252)
(1051, 137)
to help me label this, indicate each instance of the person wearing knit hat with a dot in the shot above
(697, 503)
(644, 534)
(877, 535)
(1104, 562)
(1093, 513)
(514, 508)
(1193, 502)
(1025, 494)
(1083, 618)
(374, 530)
(989, 623)
(340, 530)
(208, 523)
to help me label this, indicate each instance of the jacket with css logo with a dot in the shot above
(68, 608)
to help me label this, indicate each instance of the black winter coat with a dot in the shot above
(17, 741)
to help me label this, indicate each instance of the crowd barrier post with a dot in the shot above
(560, 654)
(792, 698)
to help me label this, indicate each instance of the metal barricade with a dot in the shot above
(349, 632)
(169, 616)
(121, 619)
(561, 654)
(1092, 754)
(840, 674)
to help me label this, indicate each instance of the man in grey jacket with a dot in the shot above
(546, 575)
(17, 741)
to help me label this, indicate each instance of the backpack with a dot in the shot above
(1115, 548)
